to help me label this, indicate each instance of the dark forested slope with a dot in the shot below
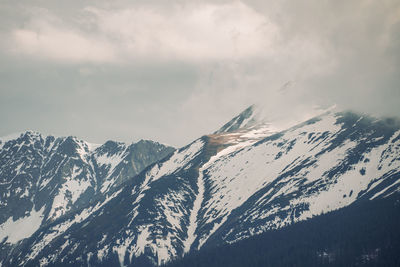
(366, 233)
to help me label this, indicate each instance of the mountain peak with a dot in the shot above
(247, 118)
(256, 116)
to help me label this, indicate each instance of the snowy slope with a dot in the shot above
(322, 165)
(242, 180)
(43, 178)
(148, 215)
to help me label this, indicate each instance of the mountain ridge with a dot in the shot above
(225, 187)
(35, 168)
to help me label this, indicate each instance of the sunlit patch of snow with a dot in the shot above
(110, 162)
(382, 192)
(69, 193)
(62, 227)
(121, 248)
(191, 236)
(101, 253)
(177, 161)
(142, 240)
(22, 228)
(92, 147)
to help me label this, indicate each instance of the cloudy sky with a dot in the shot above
(172, 71)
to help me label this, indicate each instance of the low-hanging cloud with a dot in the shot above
(194, 32)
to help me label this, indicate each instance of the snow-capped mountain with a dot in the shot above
(246, 178)
(43, 178)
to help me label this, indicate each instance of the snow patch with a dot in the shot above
(191, 236)
(177, 161)
(22, 228)
(69, 193)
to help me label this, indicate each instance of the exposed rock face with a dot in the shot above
(51, 177)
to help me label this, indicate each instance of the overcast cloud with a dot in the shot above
(175, 70)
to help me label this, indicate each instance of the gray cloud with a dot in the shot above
(172, 72)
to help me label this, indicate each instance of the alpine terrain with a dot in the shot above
(66, 202)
